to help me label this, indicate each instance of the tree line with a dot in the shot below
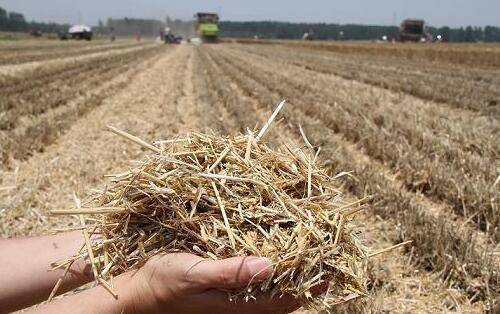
(328, 31)
(16, 22)
(129, 26)
(146, 27)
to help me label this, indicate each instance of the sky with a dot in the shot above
(380, 12)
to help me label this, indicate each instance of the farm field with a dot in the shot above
(418, 132)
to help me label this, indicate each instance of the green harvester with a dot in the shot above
(207, 26)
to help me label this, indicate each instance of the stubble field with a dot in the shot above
(417, 127)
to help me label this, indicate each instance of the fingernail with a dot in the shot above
(259, 267)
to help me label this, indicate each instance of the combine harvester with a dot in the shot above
(207, 27)
(413, 30)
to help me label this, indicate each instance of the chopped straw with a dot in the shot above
(219, 197)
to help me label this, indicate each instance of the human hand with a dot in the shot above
(185, 283)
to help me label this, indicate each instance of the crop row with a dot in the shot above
(35, 54)
(439, 245)
(472, 55)
(460, 87)
(51, 106)
(37, 96)
(232, 110)
(428, 162)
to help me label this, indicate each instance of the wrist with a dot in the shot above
(135, 293)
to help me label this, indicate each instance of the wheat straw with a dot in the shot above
(230, 196)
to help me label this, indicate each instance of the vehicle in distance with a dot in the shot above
(78, 32)
(207, 26)
(412, 30)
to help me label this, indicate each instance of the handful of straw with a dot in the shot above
(219, 197)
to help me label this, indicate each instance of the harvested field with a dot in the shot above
(21, 54)
(457, 85)
(416, 127)
(482, 55)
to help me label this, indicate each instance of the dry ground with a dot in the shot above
(421, 137)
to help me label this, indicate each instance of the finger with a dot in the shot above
(229, 273)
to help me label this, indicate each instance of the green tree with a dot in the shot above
(491, 34)
(445, 32)
(3, 14)
(469, 34)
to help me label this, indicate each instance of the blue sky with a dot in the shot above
(383, 12)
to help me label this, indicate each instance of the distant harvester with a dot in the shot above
(412, 30)
(207, 26)
(78, 32)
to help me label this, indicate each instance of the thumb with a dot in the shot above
(229, 273)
